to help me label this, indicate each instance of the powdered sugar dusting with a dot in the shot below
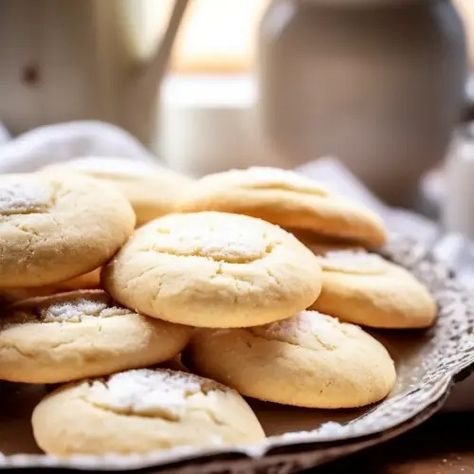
(24, 196)
(309, 329)
(74, 311)
(329, 429)
(350, 261)
(146, 392)
(224, 239)
(70, 307)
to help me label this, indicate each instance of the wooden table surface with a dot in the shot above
(442, 445)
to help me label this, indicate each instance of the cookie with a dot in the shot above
(363, 288)
(287, 199)
(310, 360)
(140, 411)
(80, 334)
(88, 280)
(319, 244)
(55, 227)
(151, 189)
(212, 269)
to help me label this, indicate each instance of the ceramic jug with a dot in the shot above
(378, 84)
(65, 60)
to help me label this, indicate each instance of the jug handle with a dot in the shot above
(153, 70)
(146, 78)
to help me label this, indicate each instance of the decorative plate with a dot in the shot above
(428, 363)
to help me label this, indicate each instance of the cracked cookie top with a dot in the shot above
(308, 329)
(288, 199)
(214, 269)
(146, 392)
(221, 238)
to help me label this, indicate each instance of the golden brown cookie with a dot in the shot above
(141, 411)
(363, 288)
(319, 244)
(55, 227)
(287, 199)
(310, 360)
(87, 281)
(80, 334)
(213, 269)
(151, 189)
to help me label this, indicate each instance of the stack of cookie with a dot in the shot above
(257, 275)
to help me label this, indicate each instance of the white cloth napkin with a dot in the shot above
(55, 143)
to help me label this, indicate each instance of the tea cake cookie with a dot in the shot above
(141, 411)
(54, 227)
(319, 244)
(10, 296)
(87, 280)
(151, 189)
(213, 269)
(287, 199)
(363, 288)
(80, 334)
(310, 360)
(90, 280)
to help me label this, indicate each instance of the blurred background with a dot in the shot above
(213, 84)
